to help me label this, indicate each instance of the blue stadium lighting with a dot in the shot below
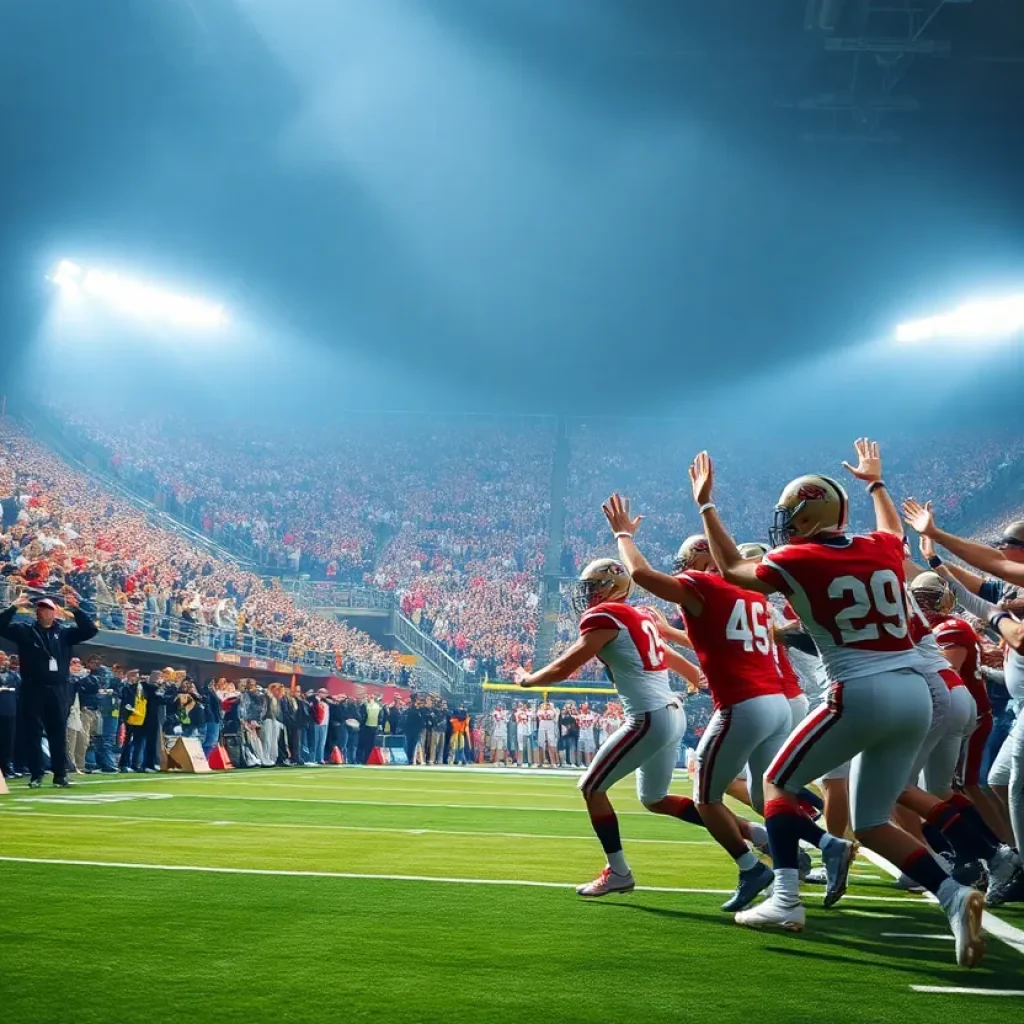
(136, 298)
(983, 318)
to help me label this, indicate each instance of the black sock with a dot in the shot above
(966, 841)
(924, 869)
(808, 796)
(607, 829)
(973, 817)
(782, 822)
(936, 840)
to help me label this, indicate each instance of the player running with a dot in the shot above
(730, 630)
(626, 640)
(848, 592)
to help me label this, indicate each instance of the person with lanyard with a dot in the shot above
(44, 652)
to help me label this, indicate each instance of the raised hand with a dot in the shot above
(919, 517)
(22, 601)
(616, 511)
(520, 676)
(869, 461)
(702, 478)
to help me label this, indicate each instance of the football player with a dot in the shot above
(586, 720)
(730, 629)
(848, 592)
(626, 641)
(547, 734)
(523, 741)
(499, 734)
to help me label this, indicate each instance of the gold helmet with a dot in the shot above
(694, 553)
(604, 579)
(932, 593)
(809, 505)
(753, 550)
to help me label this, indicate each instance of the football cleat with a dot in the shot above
(773, 913)
(968, 872)
(607, 882)
(964, 913)
(1010, 891)
(838, 858)
(816, 876)
(35, 784)
(1003, 865)
(63, 783)
(750, 885)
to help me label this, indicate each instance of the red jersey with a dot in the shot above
(635, 657)
(848, 593)
(924, 640)
(790, 680)
(732, 637)
(953, 631)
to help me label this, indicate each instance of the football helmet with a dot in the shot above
(604, 579)
(809, 505)
(932, 593)
(694, 553)
(753, 550)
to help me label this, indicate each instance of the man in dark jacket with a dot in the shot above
(10, 683)
(44, 652)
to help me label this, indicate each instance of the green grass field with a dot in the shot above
(341, 902)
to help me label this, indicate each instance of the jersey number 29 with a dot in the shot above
(883, 606)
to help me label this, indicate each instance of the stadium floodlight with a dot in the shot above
(135, 298)
(984, 318)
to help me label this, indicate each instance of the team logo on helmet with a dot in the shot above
(812, 492)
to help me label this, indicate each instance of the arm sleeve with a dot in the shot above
(598, 620)
(10, 630)
(991, 590)
(973, 603)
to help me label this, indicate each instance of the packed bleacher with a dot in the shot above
(60, 527)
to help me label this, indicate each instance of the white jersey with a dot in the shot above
(500, 716)
(635, 658)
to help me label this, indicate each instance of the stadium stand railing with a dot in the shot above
(418, 642)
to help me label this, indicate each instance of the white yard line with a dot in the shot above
(27, 813)
(944, 990)
(381, 877)
(1008, 933)
(63, 862)
(909, 935)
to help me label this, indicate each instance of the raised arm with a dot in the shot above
(660, 584)
(981, 556)
(585, 648)
(869, 469)
(733, 566)
(970, 581)
(682, 667)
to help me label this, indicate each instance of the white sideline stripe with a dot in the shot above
(380, 878)
(26, 813)
(869, 913)
(949, 991)
(910, 935)
(1008, 933)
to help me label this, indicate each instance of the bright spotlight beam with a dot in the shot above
(984, 318)
(136, 298)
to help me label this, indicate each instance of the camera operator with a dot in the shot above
(44, 652)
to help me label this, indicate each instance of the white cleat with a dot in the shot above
(964, 913)
(773, 913)
(606, 883)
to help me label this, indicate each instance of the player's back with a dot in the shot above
(953, 631)
(732, 637)
(635, 657)
(849, 595)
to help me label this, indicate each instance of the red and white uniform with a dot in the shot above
(849, 594)
(635, 659)
(499, 734)
(732, 637)
(585, 720)
(547, 731)
(648, 741)
(952, 631)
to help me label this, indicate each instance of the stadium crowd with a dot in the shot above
(59, 527)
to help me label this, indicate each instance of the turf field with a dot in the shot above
(355, 894)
